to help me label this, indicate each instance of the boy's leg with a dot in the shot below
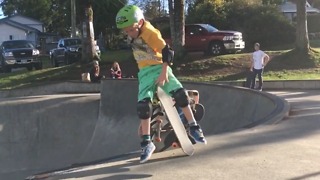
(260, 79)
(144, 108)
(254, 75)
(147, 146)
(195, 129)
(175, 89)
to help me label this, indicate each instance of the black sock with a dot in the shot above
(146, 138)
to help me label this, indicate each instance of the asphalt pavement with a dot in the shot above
(261, 145)
(284, 150)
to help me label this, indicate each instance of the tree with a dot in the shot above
(302, 40)
(104, 14)
(88, 47)
(177, 23)
(53, 13)
(211, 11)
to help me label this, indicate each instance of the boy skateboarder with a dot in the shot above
(153, 57)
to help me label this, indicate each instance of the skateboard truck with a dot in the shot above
(158, 131)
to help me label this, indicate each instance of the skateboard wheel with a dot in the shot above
(158, 139)
(175, 145)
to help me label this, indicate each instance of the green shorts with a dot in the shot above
(147, 82)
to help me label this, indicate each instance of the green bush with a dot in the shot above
(258, 23)
(263, 24)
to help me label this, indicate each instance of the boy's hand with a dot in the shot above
(162, 79)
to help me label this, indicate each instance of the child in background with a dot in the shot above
(95, 72)
(115, 71)
(259, 60)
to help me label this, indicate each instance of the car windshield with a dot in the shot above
(210, 28)
(17, 44)
(72, 42)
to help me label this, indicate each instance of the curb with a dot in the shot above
(68, 87)
(84, 87)
(281, 84)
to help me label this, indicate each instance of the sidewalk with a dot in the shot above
(288, 150)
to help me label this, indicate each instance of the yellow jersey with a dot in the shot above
(147, 48)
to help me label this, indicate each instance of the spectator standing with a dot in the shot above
(259, 59)
(115, 71)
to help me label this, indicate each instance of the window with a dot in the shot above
(194, 30)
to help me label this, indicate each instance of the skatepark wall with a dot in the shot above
(40, 133)
(47, 132)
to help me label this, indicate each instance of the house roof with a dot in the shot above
(8, 21)
(19, 15)
(18, 25)
(290, 7)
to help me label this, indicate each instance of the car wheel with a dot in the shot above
(38, 66)
(5, 68)
(66, 60)
(29, 67)
(216, 48)
(52, 61)
(55, 62)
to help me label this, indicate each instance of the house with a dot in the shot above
(18, 27)
(289, 9)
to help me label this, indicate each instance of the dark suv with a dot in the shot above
(19, 53)
(68, 51)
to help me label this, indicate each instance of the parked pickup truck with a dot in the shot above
(206, 38)
(68, 51)
(19, 53)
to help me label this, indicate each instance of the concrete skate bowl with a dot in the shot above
(44, 133)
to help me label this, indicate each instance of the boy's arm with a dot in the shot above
(157, 43)
(155, 40)
(98, 70)
(163, 77)
(266, 59)
(252, 65)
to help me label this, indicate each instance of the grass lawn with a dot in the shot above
(284, 65)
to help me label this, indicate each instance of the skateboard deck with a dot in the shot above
(175, 122)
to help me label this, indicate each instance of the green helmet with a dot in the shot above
(128, 15)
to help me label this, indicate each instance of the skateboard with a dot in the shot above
(174, 120)
(162, 133)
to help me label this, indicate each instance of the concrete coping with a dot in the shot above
(85, 87)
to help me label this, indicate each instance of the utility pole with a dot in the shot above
(73, 18)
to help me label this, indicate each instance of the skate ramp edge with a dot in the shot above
(72, 129)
